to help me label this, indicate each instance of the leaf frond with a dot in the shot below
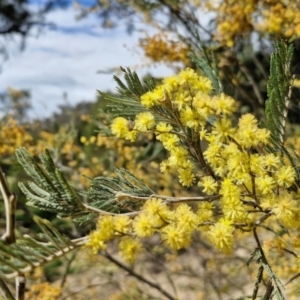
(279, 89)
(28, 253)
(208, 67)
(61, 198)
(49, 190)
(103, 191)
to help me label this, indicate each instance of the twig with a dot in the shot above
(10, 201)
(190, 199)
(166, 271)
(138, 276)
(260, 67)
(262, 219)
(49, 258)
(167, 199)
(270, 285)
(5, 290)
(106, 213)
(292, 279)
(290, 252)
(10, 208)
(20, 287)
(68, 266)
(77, 292)
(262, 253)
(253, 83)
(244, 93)
(121, 196)
(286, 108)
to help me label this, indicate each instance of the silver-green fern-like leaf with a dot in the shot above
(127, 103)
(50, 191)
(28, 253)
(107, 188)
(208, 67)
(133, 86)
(279, 90)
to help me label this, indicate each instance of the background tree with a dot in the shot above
(20, 17)
(237, 34)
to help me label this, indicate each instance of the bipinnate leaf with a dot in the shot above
(28, 253)
(279, 90)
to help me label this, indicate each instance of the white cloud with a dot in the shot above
(66, 60)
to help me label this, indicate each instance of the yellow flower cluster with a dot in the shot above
(63, 139)
(240, 171)
(282, 19)
(187, 98)
(12, 136)
(161, 48)
(234, 18)
(240, 18)
(43, 291)
(175, 226)
(244, 183)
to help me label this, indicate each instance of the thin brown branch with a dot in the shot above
(83, 289)
(290, 252)
(106, 213)
(253, 83)
(168, 199)
(166, 271)
(20, 287)
(286, 110)
(10, 201)
(263, 218)
(292, 279)
(5, 290)
(239, 89)
(260, 66)
(122, 196)
(138, 276)
(67, 270)
(273, 280)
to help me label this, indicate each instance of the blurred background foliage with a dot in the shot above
(238, 39)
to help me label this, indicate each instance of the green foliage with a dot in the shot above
(106, 189)
(50, 191)
(210, 71)
(274, 286)
(279, 90)
(122, 106)
(279, 95)
(28, 253)
(133, 87)
(127, 103)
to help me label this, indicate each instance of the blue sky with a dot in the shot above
(65, 59)
(65, 2)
